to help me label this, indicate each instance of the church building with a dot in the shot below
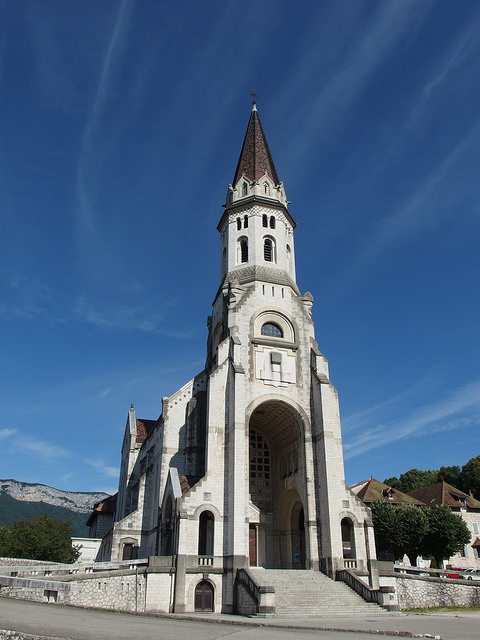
(243, 470)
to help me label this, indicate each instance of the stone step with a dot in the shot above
(312, 593)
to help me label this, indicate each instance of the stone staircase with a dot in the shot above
(311, 593)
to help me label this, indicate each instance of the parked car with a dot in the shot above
(452, 572)
(471, 574)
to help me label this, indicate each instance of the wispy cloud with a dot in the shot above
(7, 433)
(25, 298)
(129, 316)
(88, 159)
(456, 411)
(46, 451)
(365, 54)
(99, 465)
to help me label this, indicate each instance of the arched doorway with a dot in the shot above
(204, 596)
(297, 529)
(276, 485)
(348, 542)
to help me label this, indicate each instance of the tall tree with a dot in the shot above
(447, 533)
(451, 475)
(41, 538)
(471, 476)
(412, 527)
(399, 529)
(416, 479)
(4, 533)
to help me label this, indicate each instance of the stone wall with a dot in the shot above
(6, 634)
(123, 591)
(418, 592)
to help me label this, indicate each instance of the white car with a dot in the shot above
(471, 574)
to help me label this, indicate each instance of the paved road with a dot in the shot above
(56, 621)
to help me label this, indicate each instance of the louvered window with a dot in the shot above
(244, 250)
(268, 250)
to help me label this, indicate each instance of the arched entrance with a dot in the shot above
(276, 485)
(204, 596)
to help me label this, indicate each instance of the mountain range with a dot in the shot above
(25, 500)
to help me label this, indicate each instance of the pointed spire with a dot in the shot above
(255, 158)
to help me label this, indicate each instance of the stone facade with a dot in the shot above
(244, 467)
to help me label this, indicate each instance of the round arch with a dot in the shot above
(277, 317)
(204, 596)
(277, 483)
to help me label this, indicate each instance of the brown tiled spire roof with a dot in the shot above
(255, 158)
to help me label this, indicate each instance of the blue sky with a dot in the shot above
(121, 123)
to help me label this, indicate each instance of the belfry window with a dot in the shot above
(243, 250)
(239, 224)
(244, 189)
(272, 330)
(245, 222)
(272, 222)
(268, 250)
(264, 220)
(266, 188)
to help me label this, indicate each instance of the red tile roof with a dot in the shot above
(443, 493)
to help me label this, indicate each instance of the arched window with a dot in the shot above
(266, 188)
(244, 189)
(268, 250)
(243, 250)
(264, 220)
(348, 539)
(239, 224)
(245, 222)
(272, 222)
(205, 533)
(272, 330)
(204, 596)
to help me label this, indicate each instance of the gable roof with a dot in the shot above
(371, 490)
(444, 493)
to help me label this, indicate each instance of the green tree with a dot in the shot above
(471, 476)
(4, 533)
(447, 533)
(384, 526)
(416, 479)
(394, 482)
(412, 527)
(41, 538)
(451, 475)
(399, 529)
